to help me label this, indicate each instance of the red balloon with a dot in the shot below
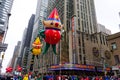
(19, 68)
(52, 36)
(9, 69)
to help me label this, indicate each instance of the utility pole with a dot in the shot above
(104, 67)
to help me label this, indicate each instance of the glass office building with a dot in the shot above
(5, 8)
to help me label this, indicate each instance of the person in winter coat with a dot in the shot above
(39, 77)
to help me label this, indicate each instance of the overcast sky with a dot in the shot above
(21, 13)
(106, 12)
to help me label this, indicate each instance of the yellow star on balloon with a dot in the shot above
(57, 17)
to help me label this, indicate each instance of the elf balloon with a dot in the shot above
(36, 50)
(51, 34)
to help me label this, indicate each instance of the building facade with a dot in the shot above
(14, 62)
(114, 44)
(25, 43)
(80, 37)
(41, 14)
(5, 9)
(81, 43)
(101, 28)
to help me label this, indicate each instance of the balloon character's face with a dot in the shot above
(52, 24)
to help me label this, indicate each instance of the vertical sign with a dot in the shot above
(73, 34)
(73, 25)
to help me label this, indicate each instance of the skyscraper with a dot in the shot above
(102, 28)
(78, 17)
(25, 43)
(41, 14)
(15, 57)
(80, 33)
(5, 8)
(80, 45)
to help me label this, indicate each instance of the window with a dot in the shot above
(116, 57)
(80, 57)
(84, 60)
(114, 46)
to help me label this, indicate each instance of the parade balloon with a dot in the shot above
(9, 69)
(19, 68)
(36, 51)
(52, 36)
(52, 31)
(36, 47)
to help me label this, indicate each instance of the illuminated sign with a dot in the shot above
(73, 66)
(85, 66)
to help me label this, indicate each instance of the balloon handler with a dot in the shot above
(52, 31)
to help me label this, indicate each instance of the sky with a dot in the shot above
(20, 15)
(107, 13)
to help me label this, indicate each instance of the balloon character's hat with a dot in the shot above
(54, 15)
(53, 20)
(37, 41)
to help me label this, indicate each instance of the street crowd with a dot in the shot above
(75, 77)
(57, 77)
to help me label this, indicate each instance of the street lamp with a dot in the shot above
(104, 67)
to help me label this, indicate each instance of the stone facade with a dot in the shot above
(114, 39)
(95, 51)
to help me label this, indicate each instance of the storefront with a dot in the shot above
(77, 69)
(116, 70)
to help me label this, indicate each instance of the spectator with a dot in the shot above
(96, 78)
(39, 77)
(15, 77)
(25, 77)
